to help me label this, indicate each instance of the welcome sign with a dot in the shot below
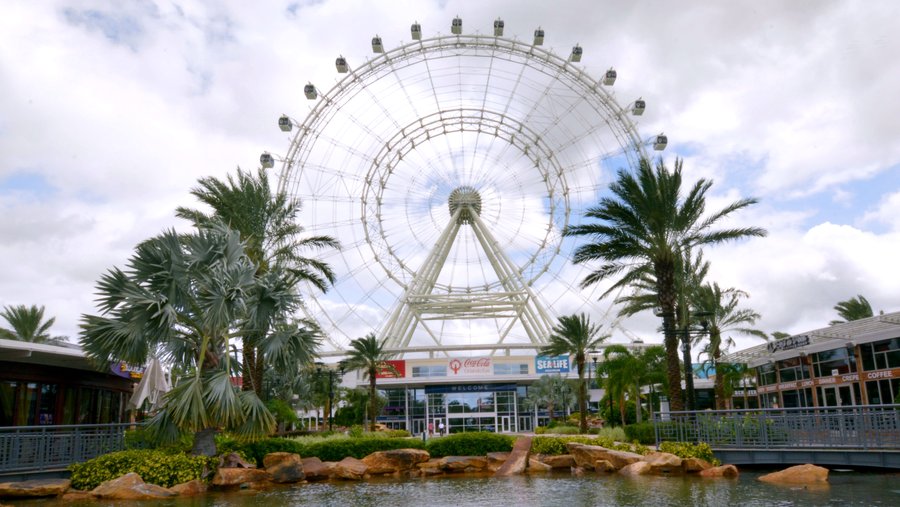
(551, 364)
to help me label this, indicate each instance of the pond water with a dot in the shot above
(845, 489)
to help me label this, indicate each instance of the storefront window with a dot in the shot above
(833, 362)
(510, 369)
(766, 374)
(26, 405)
(881, 355)
(792, 369)
(48, 404)
(439, 370)
(7, 402)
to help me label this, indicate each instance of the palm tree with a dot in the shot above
(575, 335)
(367, 355)
(724, 317)
(188, 296)
(626, 372)
(27, 324)
(645, 227)
(266, 222)
(853, 309)
(550, 391)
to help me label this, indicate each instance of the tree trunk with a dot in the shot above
(622, 407)
(638, 416)
(720, 381)
(582, 396)
(665, 279)
(205, 442)
(372, 401)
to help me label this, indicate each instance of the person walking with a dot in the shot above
(441, 428)
(430, 428)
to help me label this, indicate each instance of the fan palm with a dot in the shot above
(645, 227)
(853, 309)
(266, 222)
(724, 317)
(189, 296)
(367, 355)
(27, 324)
(574, 335)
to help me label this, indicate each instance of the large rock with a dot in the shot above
(694, 465)
(350, 468)
(602, 466)
(637, 468)
(235, 477)
(317, 470)
(284, 467)
(130, 487)
(663, 463)
(586, 455)
(496, 460)
(518, 458)
(34, 488)
(537, 467)
(73, 495)
(729, 471)
(190, 488)
(234, 460)
(398, 460)
(431, 467)
(463, 463)
(562, 461)
(800, 474)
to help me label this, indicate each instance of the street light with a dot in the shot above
(594, 361)
(322, 369)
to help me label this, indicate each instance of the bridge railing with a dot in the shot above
(54, 447)
(849, 427)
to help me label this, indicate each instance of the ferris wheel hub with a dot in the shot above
(467, 198)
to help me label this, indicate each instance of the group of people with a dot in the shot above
(440, 428)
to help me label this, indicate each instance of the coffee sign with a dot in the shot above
(469, 366)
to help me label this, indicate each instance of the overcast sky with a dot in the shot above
(111, 111)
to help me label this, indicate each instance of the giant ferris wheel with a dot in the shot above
(448, 168)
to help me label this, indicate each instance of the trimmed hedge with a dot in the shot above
(557, 445)
(333, 449)
(641, 432)
(477, 443)
(154, 466)
(690, 450)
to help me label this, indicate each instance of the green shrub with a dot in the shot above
(557, 445)
(355, 431)
(701, 450)
(477, 443)
(540, 430)
(334, 448)
(566, 430)
(641, 432)
(397, 433)
(154, 466)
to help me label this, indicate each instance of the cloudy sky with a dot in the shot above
(110, 112)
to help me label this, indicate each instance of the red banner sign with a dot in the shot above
(393, 368)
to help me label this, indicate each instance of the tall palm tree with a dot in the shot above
(367, 355)
(575, 335)
(550, 391)
(645, 226)
(27, 324)
(187, 296)
(853, 309)
(724, 317)
(626, 372)
(267, 223)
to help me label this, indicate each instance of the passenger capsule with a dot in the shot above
(498, 27)
(456, 25)
(341, 64)
(539, 36)
(416, 31)
(284, 123)
(377, 46)
(266, 160)
(638, 108)
(660, 143)
(310, 91)
(609, 78)
(576, 54)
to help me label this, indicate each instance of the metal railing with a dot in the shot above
(851, 427)
(44, 448)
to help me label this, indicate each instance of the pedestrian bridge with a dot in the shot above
(849, 436)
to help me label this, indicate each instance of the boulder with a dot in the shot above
(586, 455)
(800, 474)
(463, 463)
(694, 465)
(602, 466)
(564, 461)
(350, 468)
(130, 487)
(637, 468)
(234, 460)
(536, 467)
(397, 460)
(729, 471)
(496, 460)
(284, 467)
(518, 458)
(235, 477)
(73, 495)
(316, 470)
(431, 467)
(190, 488)
(663, 463)
(34, 488)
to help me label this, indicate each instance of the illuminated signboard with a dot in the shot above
(551, 364)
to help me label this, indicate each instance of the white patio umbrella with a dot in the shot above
(153, 386)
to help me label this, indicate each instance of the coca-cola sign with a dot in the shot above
(458, 366)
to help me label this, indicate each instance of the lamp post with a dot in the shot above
(322, 369)
(594, 367)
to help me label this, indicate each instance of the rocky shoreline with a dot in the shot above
(286, 468)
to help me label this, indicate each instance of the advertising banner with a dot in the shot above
(551, 364)
(393, 368)
(457, 367)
